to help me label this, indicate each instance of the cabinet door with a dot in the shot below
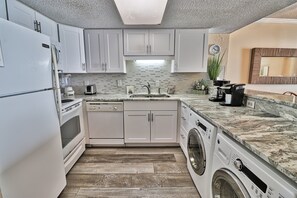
(72, 45)
(191, 51)
(113, 45)
(161, 42)
(136, 42)
(48, 27)
(3, 13)
(137, 126)
(21, 14)
(163, 126)
(94, 41)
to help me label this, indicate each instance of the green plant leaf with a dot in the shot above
(214, 66)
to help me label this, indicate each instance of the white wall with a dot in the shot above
(258, 35)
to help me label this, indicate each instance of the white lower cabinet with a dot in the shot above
(150, 122)
(163, 126)
(137, 127)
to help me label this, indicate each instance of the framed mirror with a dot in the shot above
(273, 66)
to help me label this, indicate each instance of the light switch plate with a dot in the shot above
(250, 104)
(1, 57)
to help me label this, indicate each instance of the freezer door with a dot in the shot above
(26, 59)
(31, 160)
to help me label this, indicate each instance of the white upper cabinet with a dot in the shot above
(104, 51)
(136, 42)
(27, 17)
(21, 14)
(73, 52)
(48, 27)
(161, 42)
(3, 13)
(149, 42)
(190, 50)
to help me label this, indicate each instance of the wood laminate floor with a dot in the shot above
(130, 172)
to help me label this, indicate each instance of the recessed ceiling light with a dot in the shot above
(141, 12)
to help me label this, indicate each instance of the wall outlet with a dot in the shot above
(86, 82)
(119, 83)
(157, 83)
(250, 104)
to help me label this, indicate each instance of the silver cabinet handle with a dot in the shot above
(147, 49)
(148, 117)
(152, 117)
(35, 26)
(39, 27)
(105, 66)
(150, 49)
(103, 69)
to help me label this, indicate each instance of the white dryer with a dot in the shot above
(238, 173)
(200, 146)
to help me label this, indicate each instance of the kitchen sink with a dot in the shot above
(149, 96)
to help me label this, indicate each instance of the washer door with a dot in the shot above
(196, 151)
(226, 185)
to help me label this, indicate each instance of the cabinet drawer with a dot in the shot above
(150, 105)
(185, 110)
(183, 142)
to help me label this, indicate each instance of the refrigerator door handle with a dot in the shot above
(57, 93)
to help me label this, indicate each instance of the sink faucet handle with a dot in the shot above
(159, 90)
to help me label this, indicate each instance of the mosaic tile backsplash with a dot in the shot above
(137, 75)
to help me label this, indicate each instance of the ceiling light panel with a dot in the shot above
(141, 12)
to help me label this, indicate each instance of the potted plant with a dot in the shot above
(200, 87)
(214, 66)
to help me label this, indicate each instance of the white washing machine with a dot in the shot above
(238, 173)
(200, 147)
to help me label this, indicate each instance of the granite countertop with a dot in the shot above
(272, 138)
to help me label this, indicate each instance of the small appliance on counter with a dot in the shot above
(220, 94)
(234, 94)
(90, 89)
(68, 91)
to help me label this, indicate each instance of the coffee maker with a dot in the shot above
(234, 94)
(220, 94)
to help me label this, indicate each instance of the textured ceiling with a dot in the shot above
(288, 12)
(222, 16)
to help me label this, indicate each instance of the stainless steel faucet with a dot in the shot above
(148, 86)
(291, 94)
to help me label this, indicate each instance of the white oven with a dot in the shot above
(72, 132)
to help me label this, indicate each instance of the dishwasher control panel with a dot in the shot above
(105, 106)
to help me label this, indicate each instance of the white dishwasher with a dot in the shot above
(106, 123)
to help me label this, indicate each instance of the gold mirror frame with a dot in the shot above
(257, 54)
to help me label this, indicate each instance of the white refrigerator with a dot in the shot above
(31, 160)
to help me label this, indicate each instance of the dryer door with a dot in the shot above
(196, 151)
(226, 185)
